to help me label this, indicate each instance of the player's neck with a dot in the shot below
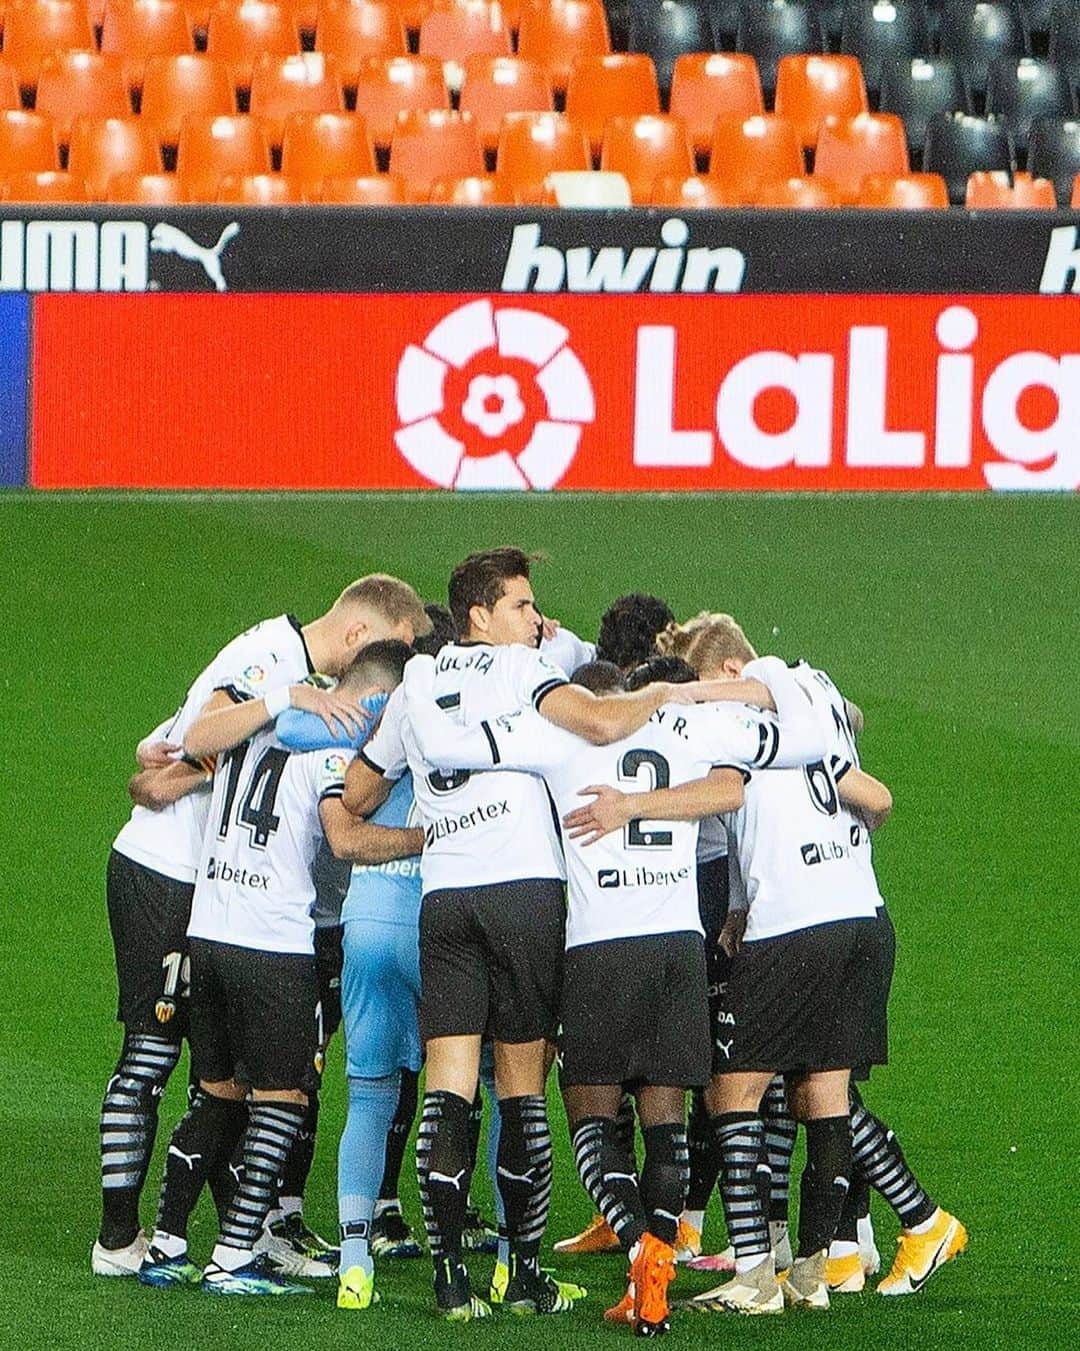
(319, 640)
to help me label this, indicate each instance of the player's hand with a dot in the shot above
(731, 935)
(669, 693)
(609, 810)
(157, 754)
(745, 691)
(330, 705)
(548, 628)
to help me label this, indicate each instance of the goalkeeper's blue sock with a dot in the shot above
(361, 1157)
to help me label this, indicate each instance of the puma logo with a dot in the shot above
(237, 1171)
(725, 1046)
(526, 1177)
(189, 1159)
(454, 1181)
(165, 238)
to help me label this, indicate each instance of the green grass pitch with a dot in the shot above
(953, 621)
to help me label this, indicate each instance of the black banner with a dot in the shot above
(429, 249)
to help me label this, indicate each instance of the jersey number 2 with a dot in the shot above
(659, 771)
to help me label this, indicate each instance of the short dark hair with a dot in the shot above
(672, 669)
(629, 627)
(383, 662)
(443, 631)
(481, 579)
(601, 677)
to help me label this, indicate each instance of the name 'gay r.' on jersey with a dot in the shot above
(478, 829)
(255, 886)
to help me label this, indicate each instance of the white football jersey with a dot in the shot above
(259, 660)
(567, 651)
(255, 886)
(486, 828)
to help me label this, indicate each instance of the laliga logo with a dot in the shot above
(493, 398)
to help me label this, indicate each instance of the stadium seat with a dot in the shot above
(139, 29)
(995, 190)
(1054, 153)
(34, 29)
(463, 28)
(1064, 45)
(805, 194)
(138, 189)
(429, 144)
(1018, 91)
(364, 190)
(532, 145)
(174, 86)
(47, 186)
(352, 31)
(557, 33)
(698, 190)
(27, 142)
(588, 187)
(811, 88)
(292, 84)
(724, 21)
(212, 147)
(473, 190)
(100, 148)
(260, 190)
(412, 14)
(974, 32)
(644, 148)
(849, 148)
(708, 85)
(958, 146)
(881, 32)
(918, 89)
(770, 29)
(81, 84)
(1038, 16)
(326, 145)
(666, 30)
(906, 192)
(831, 15)
(1074, 200)
(747, 151)
(497, 85)
(621, 84)
(240, 31)
(10, 96)
(393, 84)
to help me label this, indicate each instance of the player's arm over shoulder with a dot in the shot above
(361, 841)
(159, 788)
(866, 796)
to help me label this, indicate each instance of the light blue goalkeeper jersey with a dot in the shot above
(389, 892)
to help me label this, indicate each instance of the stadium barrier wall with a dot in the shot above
(515, 349)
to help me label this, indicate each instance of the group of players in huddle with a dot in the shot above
(414, 821)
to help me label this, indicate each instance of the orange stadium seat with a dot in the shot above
(103, 147)
(27, 142)
(33, 29)
(212, 147)
(497, 85)
(138, 189)
(556, 32)
(908, 192)
(9, 88)
(708, 85)
(174, 86)
(533, 145)
(462, 28)
(993, 190)
(1074, 200)
(365, 190)
(412, 13)
(474, 190)
(644, 148)
(354, 30)
(811, 88)
(695, 191)
(326, 145)
(292, 84)
(747, 151)
(81, 84)
(49, 186)
(389, 85)
(259, 190)
(621, 84)
(799, 192)
(849, 148)
(240, 31)
(429, 144)
(139, 29)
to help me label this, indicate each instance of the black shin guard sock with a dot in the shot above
(740, 1139)
(193, 1149)
(664, 1179)
(856, 1205)
(624, 1124)
(302, 1154)
(444, 1170)
(268, 1137)
(704, 1152)
(523, 1170)
(397, 1137)
(612, 1186)
(476, 1121)
(780, 1132)
(824, 1183)
(227, 1167)
(878, 1158)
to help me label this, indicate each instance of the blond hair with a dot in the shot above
(389, 597)
(706, 642)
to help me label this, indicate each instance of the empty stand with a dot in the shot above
(666, 30)
(352, 31)
(621, 84)
(811, 88)
(101, 148)
(708, 85)
(533, 145)
(919, 89)
(804, 194)
(497, 85)
(174, 86)
(1064, 46)
(905, 192)
(27, 142)
(643, 149)
(210, 148)
(1054, 153)
(364, 190)
(291, 84)
(429, 144)
(770, 29)
(146, 189)
(240, 31)
(34, 29)
(880, 33)
(557, 33)
(1018, 91)
(10, 97)
(463, 28)
(748, 151)
(1020, 192)
(326, 145)
(974, 32)
(474, 190)
(260, 190)
(81, 84)
(47, 186)
(850, 148)
(389, 85)
(958, 146)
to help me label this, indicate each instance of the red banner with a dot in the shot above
(601, 392)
